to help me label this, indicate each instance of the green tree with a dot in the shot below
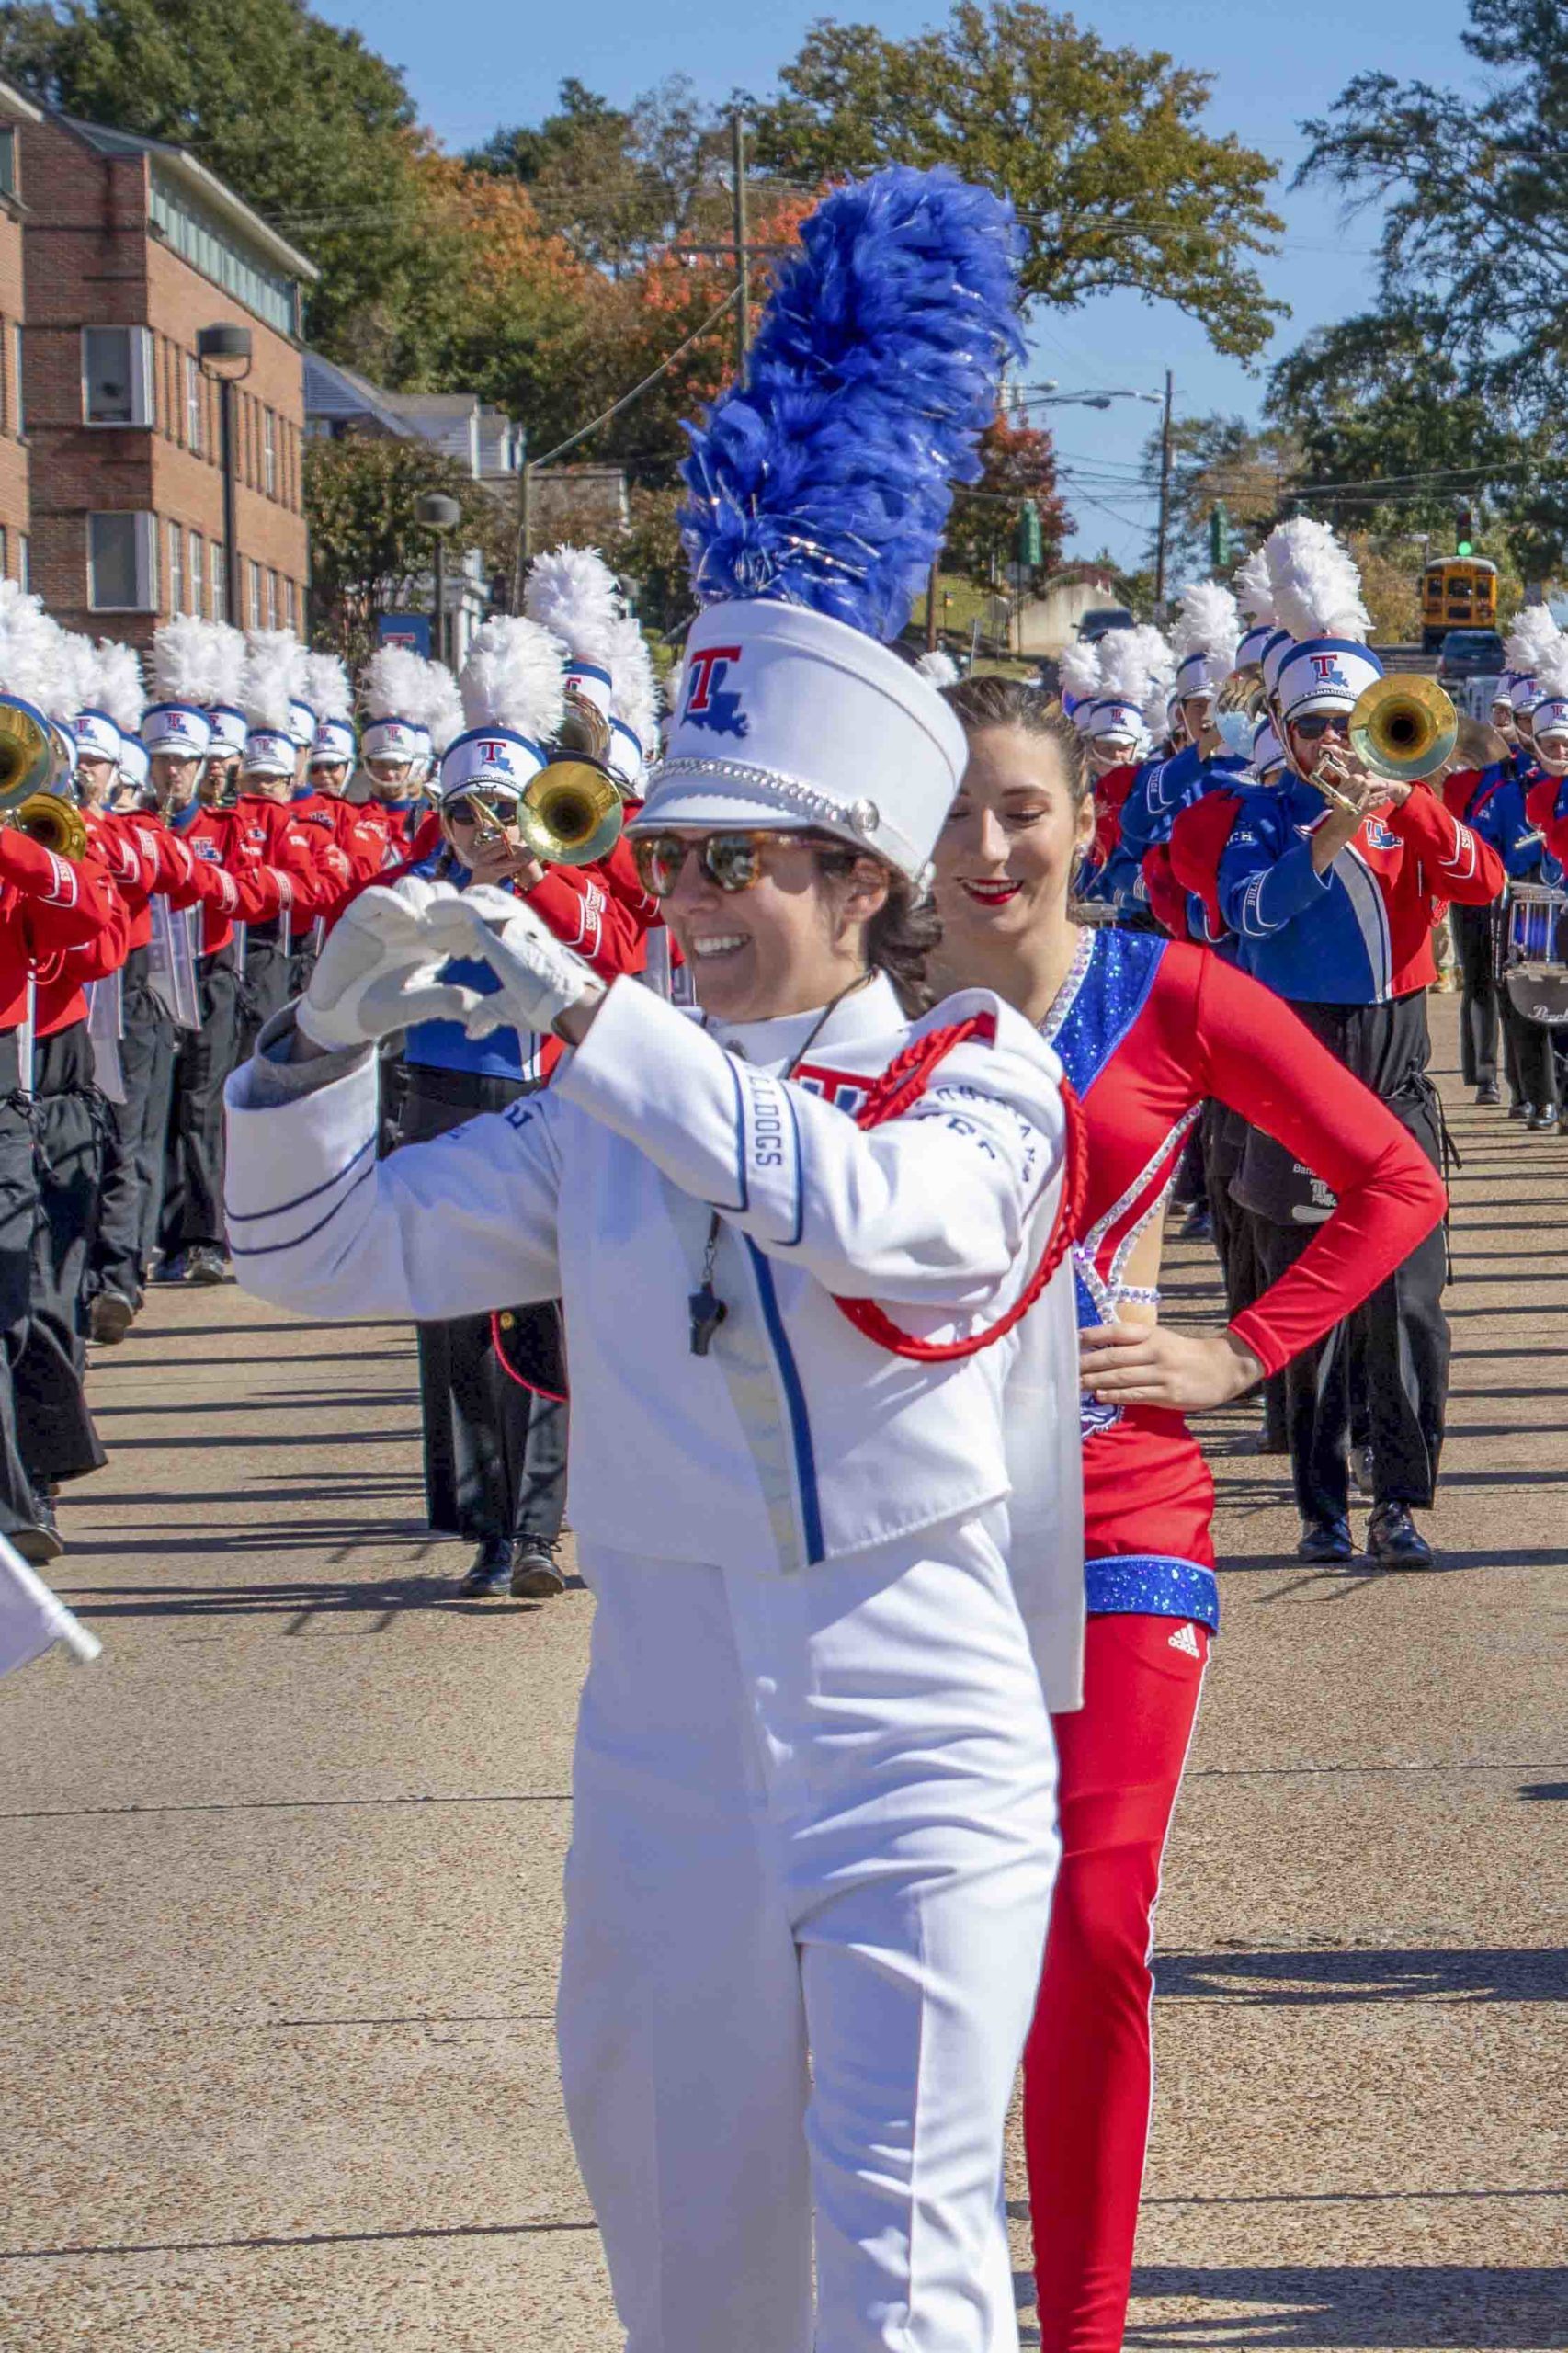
(1117, 182)
(303, 120)
(1020, 463)
(1220, 461)
(368, 551)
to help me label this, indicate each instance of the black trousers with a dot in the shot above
(1475, 938)
(1224, 1134)
(1395, 1347)
(51, 1153)
(263, 985)
(494, 1452)
(193, 1194)
(1532, 1064)
(130, 1197)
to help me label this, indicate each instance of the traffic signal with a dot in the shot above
(1464, 532)
(1218, 536)
(1032, 539)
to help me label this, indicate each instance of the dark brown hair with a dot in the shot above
(901, 935)
(995, 702)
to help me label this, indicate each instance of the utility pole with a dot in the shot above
(1164, 525)
(525, 530)
(742, 259)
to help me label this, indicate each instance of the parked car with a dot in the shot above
(1470, 653)
(1096, 622)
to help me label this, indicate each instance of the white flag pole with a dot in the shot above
(32, 1618)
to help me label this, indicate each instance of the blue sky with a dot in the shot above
(473, 64)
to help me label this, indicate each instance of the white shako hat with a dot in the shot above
(633, 708)
(1550, 716)
(818, 492)
(1136, 665)
(1269, 755)
(1317, 593)
(392, 689)
(183, 670)
(332, 698)
(1203, 638)
(1079, 671)
(572, 593)
(1254, 600)
(514, 697)
(274, 676)
(116, 700)
(133, 766)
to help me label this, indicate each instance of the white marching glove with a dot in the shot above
(540, 980)
(380, 968)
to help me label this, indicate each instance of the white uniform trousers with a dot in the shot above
(807, 1898)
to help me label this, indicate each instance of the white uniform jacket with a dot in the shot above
(795, 1441)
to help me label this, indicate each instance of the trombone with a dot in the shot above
(1401, 728)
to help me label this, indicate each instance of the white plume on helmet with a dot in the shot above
(227, 657)
(513, 678)
(75, 674)
(1533, 643)
(1317, 589)
(939, 667)
(1080, 669)
(1254, 589)
(29, 646)
(391, 683)
(442, 710)
(116, 686)
(185, 661)
(326, 688)
(634, 691)
(1209, 623)
(1551, 674)
(572, 593)
(274, 677)
(1132, 660)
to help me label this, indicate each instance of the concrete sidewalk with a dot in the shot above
(279, 1880)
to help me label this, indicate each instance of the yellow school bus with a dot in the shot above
(1459, 592)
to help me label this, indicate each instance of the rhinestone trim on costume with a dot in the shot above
(862, 817)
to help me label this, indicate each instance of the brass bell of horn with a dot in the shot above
(30, 757)
(44, 817)
(1403, 728)
(571, 814)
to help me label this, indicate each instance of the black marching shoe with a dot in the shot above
(1518, 1110)
(1541, 1117)
(42, 1543)
(1488, 1092)
(1325, 1540)
(536, 1576)
(489, 1572)
(110, 1317)
(1394, 1541)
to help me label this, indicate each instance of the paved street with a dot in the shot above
(279, 1880)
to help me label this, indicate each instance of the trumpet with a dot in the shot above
(30, 759)
(1400, 728)
(44, 817)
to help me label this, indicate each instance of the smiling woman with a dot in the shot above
(1146, 1029)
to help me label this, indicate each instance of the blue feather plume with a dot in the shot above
(827, 481)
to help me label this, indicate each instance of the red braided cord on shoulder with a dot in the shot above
(902, 1084)
(551, 1396)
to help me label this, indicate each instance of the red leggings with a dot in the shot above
(1088, 2069)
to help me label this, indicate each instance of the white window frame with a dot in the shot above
(269, 452)
(145, 559)
(197, 575)
(253, 584)
(18, 405)
(217, 577)
(139, 380)
(24, 561)
(193, 435)
(177, 568)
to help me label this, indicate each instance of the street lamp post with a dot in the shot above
(223, 356)
(438, 515)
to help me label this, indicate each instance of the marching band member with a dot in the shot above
(1204, 640)
(1147, 1029)
(226, 656)
(1333, 906)
(393, 688)
(813, 1832)
(1131, 662)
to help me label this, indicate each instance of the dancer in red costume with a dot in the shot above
(1147, 1029)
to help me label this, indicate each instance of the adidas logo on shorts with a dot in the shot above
(1186, 1639)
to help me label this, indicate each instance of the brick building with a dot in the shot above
(16, 522)
(131, 247)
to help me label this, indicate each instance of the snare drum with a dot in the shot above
(1535, 968)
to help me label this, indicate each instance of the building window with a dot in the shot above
(192, 405)
(24, 561)
(269, 452)
(9, 183)
(252, 571)
(4, 377)
(176, 569)
(220, 582)
(198, 584)
(271, 600)
(18, 409)
(211, 246)
(4, 551)
(291, 613)
(117, 376)
(122, 563)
